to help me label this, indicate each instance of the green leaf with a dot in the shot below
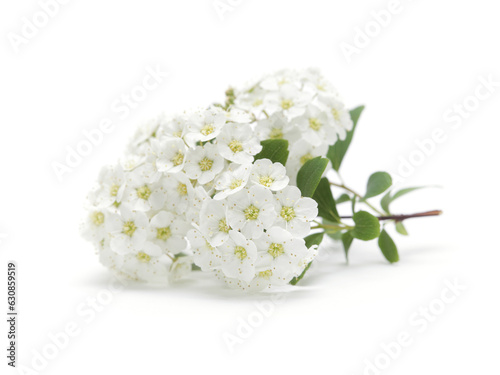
(343, 198)
(334, 235)
(377, 184)
(400, 228)
(275, 150)
(367, 226)
(347, 239)
(388, 199)
(310, 174)
(314, 239)
(336, 153)
(327, 208)
(388, 247)
(385, 202)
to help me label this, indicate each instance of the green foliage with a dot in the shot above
(377, 184)
(337, 152)
(310, 174)
(314, 239)
(275, 150)
(400, 228)
(343, 198)
(347, 240)
(388, 198)
(327, 208)
(367, 226)
(388, 247)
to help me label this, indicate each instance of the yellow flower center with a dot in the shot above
(266, 181)
(240, 252)
(98, 218)
(336, 114)
(144, 192)
(163, 233)
(287, 213)
(206, 164)
(286, 104)
(207, 129)
(117, 204)
(178, 159)
(235, 146)
(235, 184)
(129, 228)
(223, 227)
(182, 189)
(113, 191)
(177, 134)
(314, 124)
(266, 274)
(143, 257)
(304, 159)
(251, 212)
(276, 133)
(276, 249)
(257, 102)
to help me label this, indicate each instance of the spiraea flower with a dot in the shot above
(192, 190)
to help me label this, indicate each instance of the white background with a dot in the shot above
(426, 60)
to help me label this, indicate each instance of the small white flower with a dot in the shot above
(170, 153)
(269, 175)
(238, 143)
(168, 232)
(213, 223)
(203, 163)
(93, 227)
(279, 255)
(145, 132)
(195, 204)
(205, 255)
(128, 231)
(205, 125)
(251, 211)
(289, 100)
(148, 264)
(180, 268)
(179, 192)
(338, 114)
(140, 196)
(238, 257)
(277, 127)
(112, 183)
(232, 181)
(315, 126)
(174, 127)
(294, 212)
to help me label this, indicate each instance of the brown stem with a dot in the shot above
(404, 217)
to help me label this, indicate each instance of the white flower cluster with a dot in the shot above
(301, 107)
(189, 191)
